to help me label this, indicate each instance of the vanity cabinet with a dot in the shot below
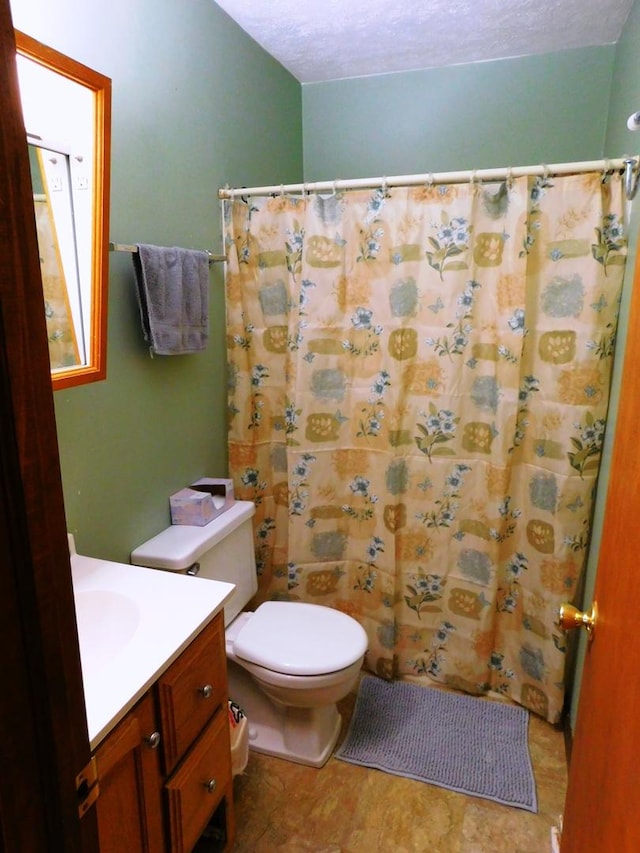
(165, 770)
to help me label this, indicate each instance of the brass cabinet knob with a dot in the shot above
(206, 691)
(153, 740)
(211, 785)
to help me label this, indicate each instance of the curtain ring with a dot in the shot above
(281, 190)
(510, 177)
(384, 185)
(607, 170)
(335, 189)
(473, 180)
(630, 178)
(545, 172)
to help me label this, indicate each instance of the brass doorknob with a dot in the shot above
(570, 617)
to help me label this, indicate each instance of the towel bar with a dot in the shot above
(127, 247)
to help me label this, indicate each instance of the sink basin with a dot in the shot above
(107, 621)
(132, 624)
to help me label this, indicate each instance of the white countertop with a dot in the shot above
(132, 624)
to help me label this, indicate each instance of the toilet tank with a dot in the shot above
(221, 550)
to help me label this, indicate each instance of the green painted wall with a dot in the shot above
(625, 90)
(550, 108)
(196, 104)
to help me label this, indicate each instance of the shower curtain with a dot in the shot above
(418, 386)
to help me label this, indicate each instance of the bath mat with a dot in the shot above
(474, 746)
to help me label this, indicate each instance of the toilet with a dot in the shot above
(288, 663)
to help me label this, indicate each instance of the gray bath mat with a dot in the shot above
(474, 746)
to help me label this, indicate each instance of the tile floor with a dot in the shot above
(344, 808)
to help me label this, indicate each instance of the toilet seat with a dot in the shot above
(295, 638)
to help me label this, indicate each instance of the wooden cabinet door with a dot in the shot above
(130, 801)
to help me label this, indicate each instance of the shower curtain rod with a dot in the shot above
(627, 165)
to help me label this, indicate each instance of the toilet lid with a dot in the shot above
(300, 639)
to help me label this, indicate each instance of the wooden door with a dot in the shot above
(603, 799)
(43, 730)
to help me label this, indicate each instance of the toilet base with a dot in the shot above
(303, 735)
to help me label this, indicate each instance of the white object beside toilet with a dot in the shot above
(288, 662)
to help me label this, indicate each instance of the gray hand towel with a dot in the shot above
(173, 294)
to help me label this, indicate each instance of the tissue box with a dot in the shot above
(219, 490)
(189, 506)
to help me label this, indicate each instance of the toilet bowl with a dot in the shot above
(289, 663)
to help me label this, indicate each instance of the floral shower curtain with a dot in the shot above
(419, 381)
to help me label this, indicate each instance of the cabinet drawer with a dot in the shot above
(191, 691)
(198, 785)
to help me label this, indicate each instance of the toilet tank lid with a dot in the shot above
(181, 545)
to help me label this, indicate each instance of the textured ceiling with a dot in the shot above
(319, 40)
